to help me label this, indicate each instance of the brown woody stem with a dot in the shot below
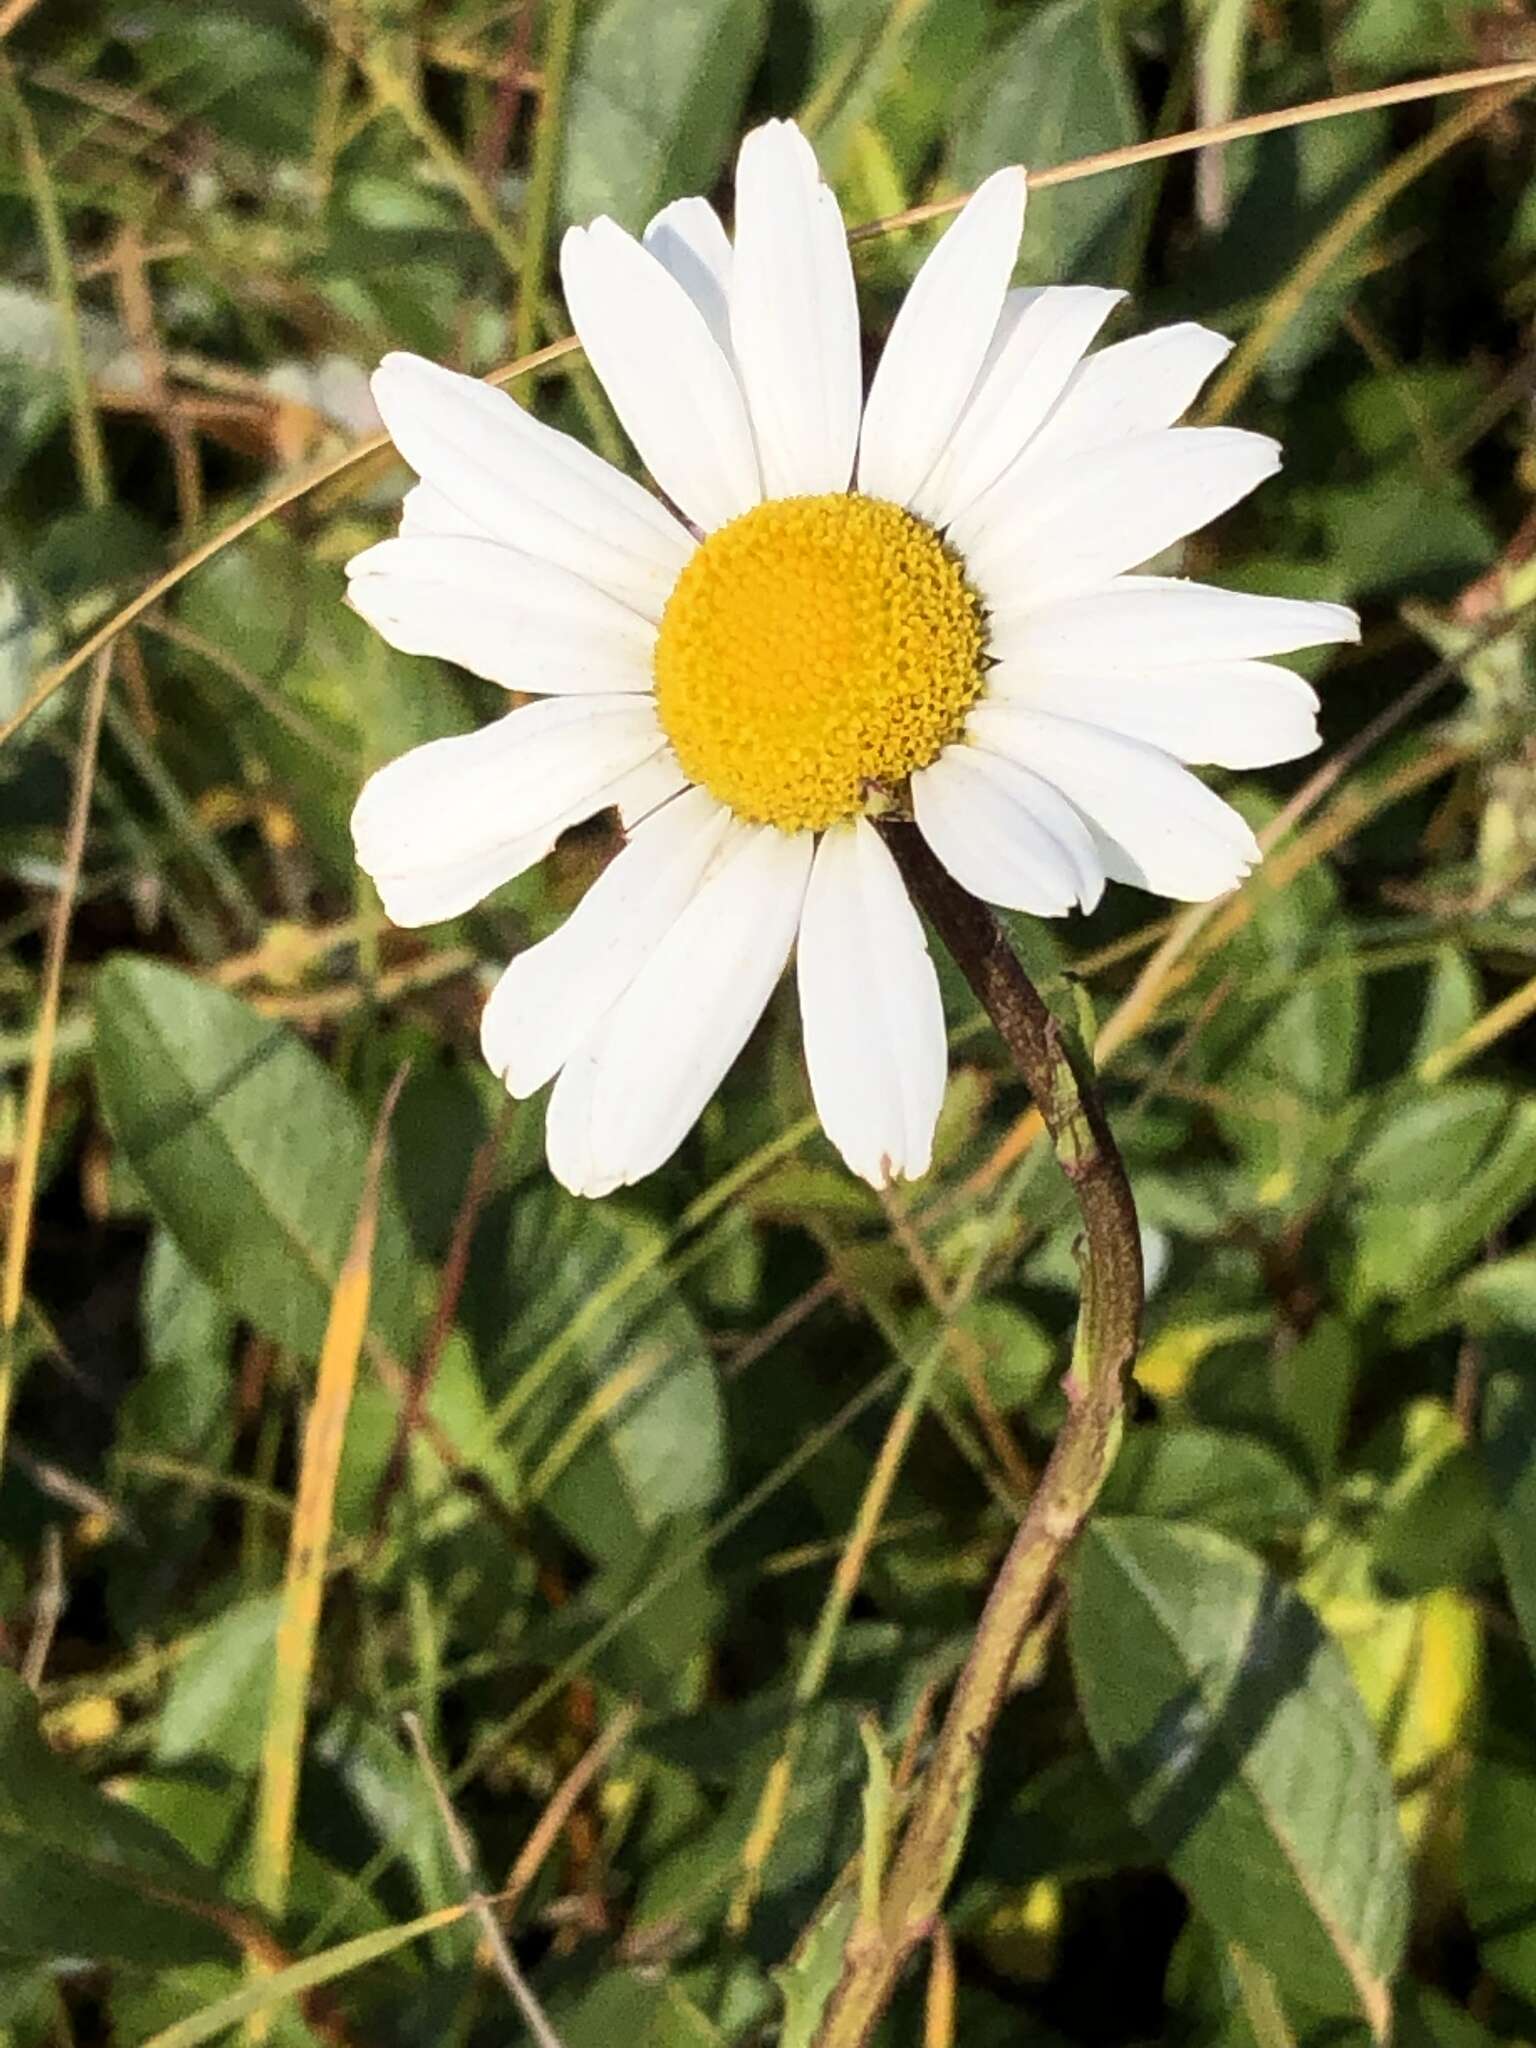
(1065, 1090)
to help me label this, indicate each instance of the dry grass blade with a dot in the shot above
(939, 2007)
(1221, 133)
(1224, 132)
(35, 1108)
(263, 1995)
(1489, 1028)
(53, 679)
(300, 1617)
(47, 1608)
(13, 14)
(1367, 207)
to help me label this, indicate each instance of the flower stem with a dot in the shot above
(1065, 1090)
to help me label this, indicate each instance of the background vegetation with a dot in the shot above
(663, 1515)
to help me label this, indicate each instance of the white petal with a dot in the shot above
(432, 826)
(524, 624)
(425, 514)
(794, 317)
(1141, 622)
(1005, 835)
(1156, 825)
(627, 1098)
(570, 1131)
(1069, 525)
(940, 340)
(1022, 380)
(675, 393)
(528, 486)
(654, 782)
(689, 243)
(427, 895)
(554, 995)
(869, 1005)
(1232, 714)
(1131, 387)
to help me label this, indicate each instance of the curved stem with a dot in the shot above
(1065, 1090)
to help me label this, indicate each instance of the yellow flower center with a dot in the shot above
(814, 649)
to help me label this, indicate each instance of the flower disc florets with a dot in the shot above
(811, 648)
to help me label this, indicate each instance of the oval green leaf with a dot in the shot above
(655, 99)
(1059, 88)
(250, 1152)
(1509, 1451)
(83, 1878)
(1212, 1693)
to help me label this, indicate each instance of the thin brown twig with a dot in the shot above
(511, 85)
(463, 1855)
(136, 303)
(571, 1789)
(805, 1304)
(477, 1187)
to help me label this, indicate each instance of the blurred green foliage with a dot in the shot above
(1268, 1774)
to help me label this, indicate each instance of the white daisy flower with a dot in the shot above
(920, 596)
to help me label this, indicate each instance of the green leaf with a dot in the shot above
(1499, 1872)
(1427, 1142)
(84, 1878)
(1059, 89)
(249, 1150)
(1425, 2020)
(1212, 1693)
(655, 98)
(1509, 1448)
(1313, 1385)
(809, 1980)
(1435, 1517)
(1184, 1472)
(1406, 1246)
(638, 2008)
(217, 1701)
(1452, 1000)
(1500, 1295)
(1283, 1093)
(181, 1404)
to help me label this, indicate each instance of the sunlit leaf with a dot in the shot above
(1233, 1723)
(250, 1151)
